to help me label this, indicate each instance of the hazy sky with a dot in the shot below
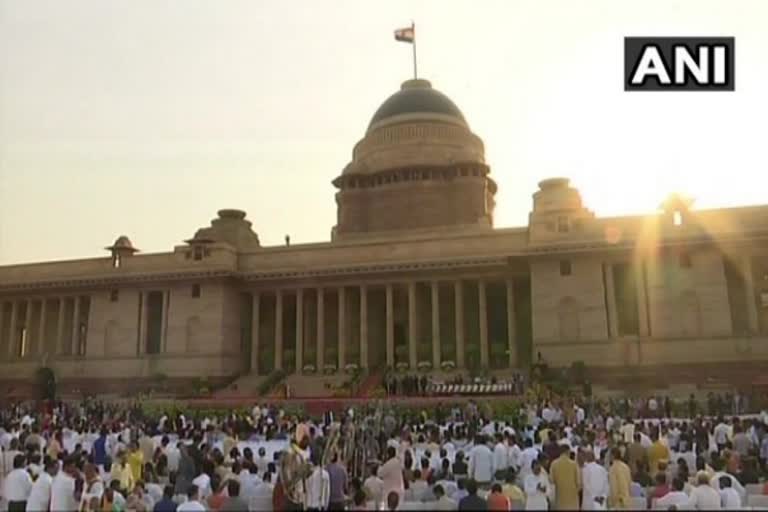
(144, 117)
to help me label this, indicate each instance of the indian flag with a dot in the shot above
(406, 35)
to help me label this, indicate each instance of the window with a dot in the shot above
(195, 291)
(563, 226)
(677, 218)
(198, 253)
(565, 268)
(114, 295)
(115, 260)
(685, 260)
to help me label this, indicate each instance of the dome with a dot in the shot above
(417, 97)
(123, 243)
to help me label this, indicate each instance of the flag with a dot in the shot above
(406, 35)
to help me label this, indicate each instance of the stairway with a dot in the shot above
(371, 383)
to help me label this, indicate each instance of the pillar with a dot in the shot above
(342, 329)
(511, 328)
(436, 356)
(363, 326)
(42, 346)
(13, 339)
(483, 321)
(412, 323)
(610, 293)
(60, 327)
(278, 330)
(749, 290)
(76, 328)
(2, 326)
(390, 327)
(299, 330)
(27, 338)
(459, 303)
(320, 329)
(255, 321)
(642, 300)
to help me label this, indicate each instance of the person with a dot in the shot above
(393, 501)
(662, 488)
(293, 470)
(481, 463)
(675, 498)
(63, 487)
(620, 481)
(193, 501)
(112, 500)
(497, 502)
(135, 461)
(166, 504)
(564, 474)
(139, 500)
(18, 485)
(40, 495)
(218, 494)
(374, 487)
(187, 470)
(595, 484)
(234, 503)
(658, 452)
(472, 501)
(443, 502)
(121, 471)
(318, 488)
(511, 490)
(537, 488)
(337, 474)
(728, 495)
(500, 458)
(703, 496)
(93, 489)
(636, 454)
(391, 474)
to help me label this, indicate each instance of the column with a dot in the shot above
(390, 328)
(642, 300)
(278, 330)
(60, 327)
(12, 338)
(27, 338)
(436, 356)
(2, 327)
(255, 321)
(320, 330)
(459, 303)
(613, 323)
(363, 326)
(42, 346)
(482, 307)
(749, 290)
(412, 325)
(342, 329)
(299, 330)
(76, 328)
(511, 331)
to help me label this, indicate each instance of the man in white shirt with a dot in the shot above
(514, 454)
(628, 431)
(63, 488)
(193, 501)
(500, 459)
(594, 484)
(374, 487)
(721, 434)
(443, 502)
(249, 479)
(17, 485)
(6, 462)
(318, 487)
(703, 496)
(527, 457)
(728, 495)
(481, 463)
(40, 496)
(676, 497)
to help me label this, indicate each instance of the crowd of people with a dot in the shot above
(559, 454)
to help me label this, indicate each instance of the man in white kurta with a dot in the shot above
(537, 488)
(594, 480)
(481, 464)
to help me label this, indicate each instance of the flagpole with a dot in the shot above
(413, 29)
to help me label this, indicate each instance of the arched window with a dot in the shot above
(690, 314)
(568, 319)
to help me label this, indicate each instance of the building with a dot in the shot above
(415, 275)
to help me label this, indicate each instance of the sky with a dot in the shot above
(145, 117)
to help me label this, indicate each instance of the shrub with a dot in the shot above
(272, 380)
